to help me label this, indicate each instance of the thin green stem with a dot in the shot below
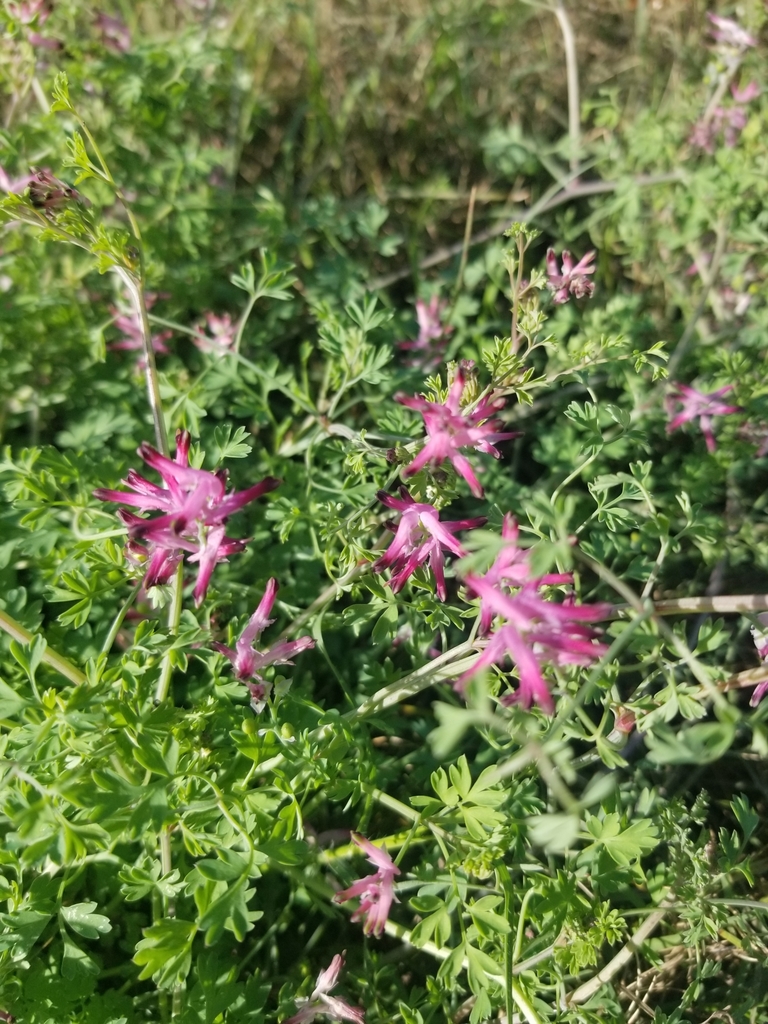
(136, 291)
(174, 618)
(55, 661)
(243, 321)
(521, 925)
(505, 884)
(118, 620)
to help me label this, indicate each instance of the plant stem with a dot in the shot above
(136, 292)
(55, 661)
(572, 74)
(174, 618)
(106, 647)
(505, 884)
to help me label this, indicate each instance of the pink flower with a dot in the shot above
(195, 509)
(14, 185)
(375, 892)
(760, 636)
(535, 630)
(248, 662)
(419, 537)
(750, 92)
(572, 280)
(43, 42)
(450, 428)
(27, 10)
(114, 33)
(730, 33)
(511, 568)
(128, 322)
(321, 1002)
(221, 337)
(433, 334)
(725, 122)
(697, 405)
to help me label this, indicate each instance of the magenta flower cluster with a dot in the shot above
(532, 631)
(420, 538)
(321, 1002)
(572, 279)
(194, 509)
(248, 662)
(450, 428)
(429, 347)
(128, 322)
(696, 405)
(375, 892)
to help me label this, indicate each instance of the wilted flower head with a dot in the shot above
(320, 1002)
(195, 508)
(221, 336)
(248, 662)
(730, 33)
(429, 347)
(449, 428)
(375, 892)
(698, 405)
(50, 195)
(420, 537)
(571, 279)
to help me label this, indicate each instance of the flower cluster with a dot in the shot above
(248, 662)
(725, 123)
(375, 892)
(429, 347)
(115, 34)
(533, 630)
(700, 406)
(195, 508)
(571, 279)
(321, 1002)
(420, 537)
(450, 428)
(760, 636)
(221, 334)
(729, 33)
(128, 322)
(34, 12)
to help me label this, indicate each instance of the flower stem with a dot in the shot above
(106, 647)
(572, 74)
(174, 618)
(136, 291)
(55, 661)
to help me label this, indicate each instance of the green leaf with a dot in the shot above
(61, 100)
(165, 952)
(75, 963)
(622, 845)
(30, 655)
(701, 744)
(81, 919)
(11, 702)
(483, 914)
(461, 777)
